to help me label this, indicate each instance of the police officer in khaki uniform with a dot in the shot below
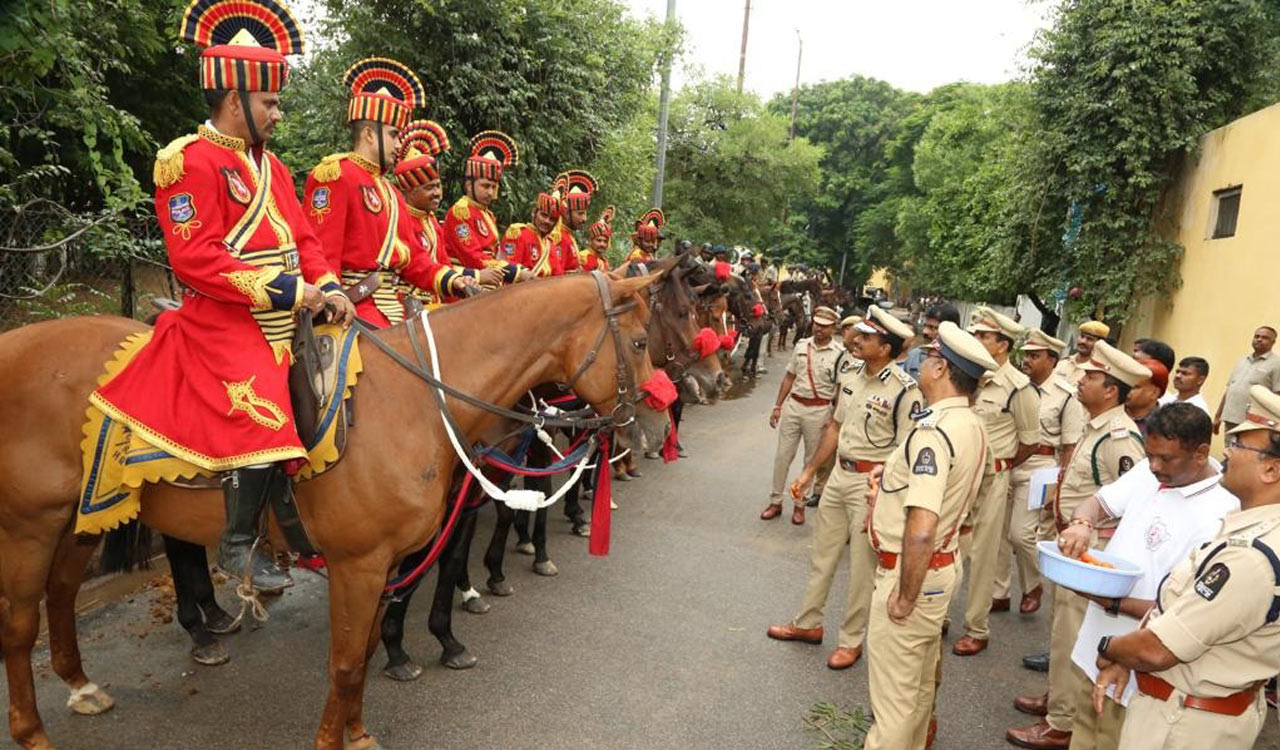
(1204, 653)
(803, 405)
(918, 500)
(1091, 332)
(873, 415)
(1110, 446)
(1010, 408)
(1061, 424)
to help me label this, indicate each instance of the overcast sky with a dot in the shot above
(912, 44)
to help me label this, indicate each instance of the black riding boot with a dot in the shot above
(245, 493)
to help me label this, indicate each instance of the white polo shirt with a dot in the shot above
(1159, 528)
(1196, 400)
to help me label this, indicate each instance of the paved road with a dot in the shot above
(659, 646)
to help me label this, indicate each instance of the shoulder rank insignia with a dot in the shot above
(1118, 429)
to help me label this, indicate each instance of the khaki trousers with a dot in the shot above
(980, 549)
(797, 422)
(1022, 529)
(903, 660)
(1150, 724)
(1090, 730)
(842, 513)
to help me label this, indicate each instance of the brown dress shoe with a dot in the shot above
(844, 657)
(1031, 601)
(789, 632)
(932, 735)
(1039, 736)
(797, 515)
(771, 512)
(999, 605)
(968, 646)
(1036, 705)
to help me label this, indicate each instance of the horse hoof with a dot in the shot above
(461, 660)
(500, 588)
(546, 568)
(525, 548)
(221, 623)
(475, 605)
(90, 700)
(364, 742)
(211, 655)
(406, 672)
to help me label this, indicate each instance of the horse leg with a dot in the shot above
(400, 666)
(497, 582)
(355, 587)
(542, 564)
(524, 542)
(457, 562)
(65, 577)
(440, 622)
(188, 564)
(24, 570)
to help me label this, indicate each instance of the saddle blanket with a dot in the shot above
(119, 461)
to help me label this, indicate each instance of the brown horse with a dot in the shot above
(383, 501)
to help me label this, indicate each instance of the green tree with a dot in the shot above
(730, 167)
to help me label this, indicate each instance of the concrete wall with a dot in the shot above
(1230, 286)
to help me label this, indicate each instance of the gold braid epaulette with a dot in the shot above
(461, 210)
(513, 231)
(169, 166)
(329, 168)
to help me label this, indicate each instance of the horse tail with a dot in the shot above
(127, 547)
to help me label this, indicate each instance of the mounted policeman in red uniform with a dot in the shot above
(648, 236)
(470, 230)
(210, 387)
(529, 245)
(600, 234)
(360, 217)
(418, 178)
(575, 189)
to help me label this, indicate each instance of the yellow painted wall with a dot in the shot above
(881, 280)
(1230, 286)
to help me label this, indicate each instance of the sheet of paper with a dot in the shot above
(1044, 482)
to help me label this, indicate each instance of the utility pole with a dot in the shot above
(795, 92)
(664, 104)
(742, 58)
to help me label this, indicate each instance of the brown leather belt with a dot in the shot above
(1044, 450)
(1003, 464)
(1232, 705)
(812, 401)
(889, 560)
(860, 467)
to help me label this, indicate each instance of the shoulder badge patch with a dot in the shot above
(320, 198)
(917, 409)
(372, 200)
(1212, 581)
(236, 188)
(483, 228)
(509, 250)
(463, 231)
(926, 463)
(182, 208)
(1126, 463)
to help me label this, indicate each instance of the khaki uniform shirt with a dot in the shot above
(815, 369)
(1212, 609)
(1069, 369)
(874, 412)
(938, 467)
(1109, 447)
(1061, 415)
(1010, 408)
(1250, 370)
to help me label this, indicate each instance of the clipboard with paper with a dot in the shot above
(1044, 483)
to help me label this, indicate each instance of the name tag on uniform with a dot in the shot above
(291, 260)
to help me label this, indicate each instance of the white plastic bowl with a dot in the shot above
(1083, 577)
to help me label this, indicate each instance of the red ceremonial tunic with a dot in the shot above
(471, 234)
(588, 260)
(639, 255)
(564, 249)
(210, 387)
(430, 235)
(523, 246)
(363, 223)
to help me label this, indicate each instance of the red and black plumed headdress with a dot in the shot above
(384, 91)
(420, 142)
(604, 225)
(245, 43)
(650, 225)
(577, 188)
(491, 152)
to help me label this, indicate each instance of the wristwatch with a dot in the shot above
(1114, 609)
(1103, 644)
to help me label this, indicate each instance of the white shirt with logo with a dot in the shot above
(1159, 528)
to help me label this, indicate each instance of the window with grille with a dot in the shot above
(1226, 210)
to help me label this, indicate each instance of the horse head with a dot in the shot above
(678, 343)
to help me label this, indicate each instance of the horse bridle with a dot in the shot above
(679, 362)
(628, 393)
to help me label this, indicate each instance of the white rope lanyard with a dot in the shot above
(514, 499)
